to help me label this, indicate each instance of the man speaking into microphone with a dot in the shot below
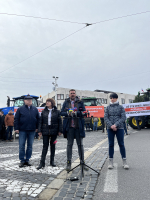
(73, 125)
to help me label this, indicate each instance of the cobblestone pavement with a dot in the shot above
(27, 183)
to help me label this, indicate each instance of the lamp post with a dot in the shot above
(55, 86)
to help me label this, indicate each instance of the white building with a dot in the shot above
(101, 95)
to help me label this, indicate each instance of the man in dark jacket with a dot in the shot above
(2, 126)
(73, 127)
(26, 123)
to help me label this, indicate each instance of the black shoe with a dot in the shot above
(52, 164)
(68, 168)
(40, 166)
(21, 165)
(27, 164)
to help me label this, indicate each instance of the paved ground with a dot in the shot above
(27, 183)
(132, 184)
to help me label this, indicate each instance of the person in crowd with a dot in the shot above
(125, 128)
(137, 122)
(9, 124)
(2, 126)
(73, 127)
(95, 123)
(87, 122)
(103, 125)
(114, 118)
(25, 124)
(50, 126)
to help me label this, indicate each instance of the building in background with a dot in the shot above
(101, 95)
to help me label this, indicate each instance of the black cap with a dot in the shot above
(28, 97)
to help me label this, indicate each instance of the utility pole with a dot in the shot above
(55, 88)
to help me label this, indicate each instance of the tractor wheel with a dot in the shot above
(132, 122)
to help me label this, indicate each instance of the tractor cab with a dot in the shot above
(91, 101)
(19, 101)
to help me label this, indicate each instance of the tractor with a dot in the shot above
(92, 101)
(18, 102)
(144, 121)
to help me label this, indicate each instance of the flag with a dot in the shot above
(142, 90)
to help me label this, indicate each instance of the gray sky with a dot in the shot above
(110, 56)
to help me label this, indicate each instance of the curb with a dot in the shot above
(57, 183)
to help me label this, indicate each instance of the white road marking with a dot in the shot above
(135, 132)
(111, 181)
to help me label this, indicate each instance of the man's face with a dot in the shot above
(72, 95)
(11, 112)
(28, 102)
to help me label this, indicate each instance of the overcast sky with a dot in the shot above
(113, 55)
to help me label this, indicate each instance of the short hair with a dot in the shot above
(72, 90)
(1, 111)
(113, 95)
(51, 100)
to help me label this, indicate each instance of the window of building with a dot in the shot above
(130, 101)
(53, 97)
(60, 96)
(67, 96)
(123, 101)
(105, 101)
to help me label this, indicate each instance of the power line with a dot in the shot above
(43, 50)
(45, 18)
(25, 82)
(120, 17)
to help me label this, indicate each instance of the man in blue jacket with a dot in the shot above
(73, 127)
(26, 123)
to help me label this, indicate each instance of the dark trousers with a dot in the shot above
(9, 133)
(125, 128)
(46, 140)
(74, 133)
(3, 133)
(138, 126)
(87, 125)
(120, 138)
(102, 121)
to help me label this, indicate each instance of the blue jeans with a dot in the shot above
(9, 130)
(120, 138)
(23, 136)
(87, 125)
(95, 126)
(36, 135)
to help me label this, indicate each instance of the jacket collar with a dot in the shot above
(28, 106)
(76, 99)
(54, 108)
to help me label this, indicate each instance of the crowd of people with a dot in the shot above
(28, 124)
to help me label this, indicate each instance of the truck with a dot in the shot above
(92, 104)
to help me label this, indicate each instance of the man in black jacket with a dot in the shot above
(73, 127)
(26, 123)
(2, 126)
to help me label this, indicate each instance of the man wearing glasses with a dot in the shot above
(73, 127)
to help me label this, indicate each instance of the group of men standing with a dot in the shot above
(6, 126)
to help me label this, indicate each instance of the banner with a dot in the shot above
(137, 109)
(95, 111)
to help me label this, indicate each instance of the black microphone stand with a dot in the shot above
(82, 163)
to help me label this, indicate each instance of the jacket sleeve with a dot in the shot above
(17, 119)
(122, 118)
(60, 122)
(63, 112)
(106, 118)
(38, 118)
(6, 120)
(0, 123)
(40, 123)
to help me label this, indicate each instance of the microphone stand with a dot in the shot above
(82, 163)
